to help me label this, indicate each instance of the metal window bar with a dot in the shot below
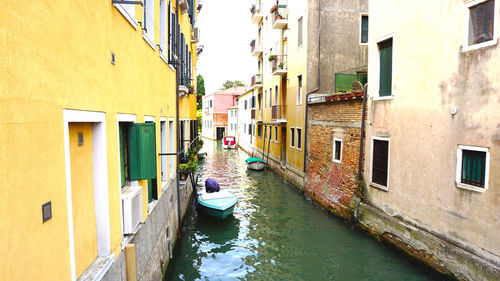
(473, 167)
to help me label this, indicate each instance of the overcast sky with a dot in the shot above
(225, 33)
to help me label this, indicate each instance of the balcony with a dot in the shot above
(256, 81)
(256, 11)
(256, 114)
(346, 80)
(184, 87)
(278, 113)
(256, 48)
(280, 15)
(279, 65)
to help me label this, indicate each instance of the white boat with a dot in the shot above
(255, 163)
(229, 142)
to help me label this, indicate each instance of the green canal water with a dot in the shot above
(276, 233)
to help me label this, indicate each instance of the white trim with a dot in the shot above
(100, 180)
(298, 138)
(163, 119)
(299, 101)
(121, 117)
(465, 46)
(292, 144)
(361, 27)
(341, 149)
(458, 176)
(385, 188)
(149, 118)
(377, 80)
(148, 40)
(129, 18)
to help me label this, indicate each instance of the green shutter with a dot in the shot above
(142, 151)
(385, 87)
(123, 151)
(364, 29)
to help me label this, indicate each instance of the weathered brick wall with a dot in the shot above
(220, 119)
(333, 184)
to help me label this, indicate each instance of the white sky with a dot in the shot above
(225, 33)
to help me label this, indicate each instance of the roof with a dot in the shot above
(250, 91)
(231, 91)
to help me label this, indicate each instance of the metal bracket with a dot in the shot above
(127, 2)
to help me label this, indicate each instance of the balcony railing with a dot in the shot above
(256, 48)
(280, 15)
(278, 112)
(344, 80)
(256, 11)
(256, 80)
(279, 65)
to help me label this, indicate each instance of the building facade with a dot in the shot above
(432, 136)
(94, 93)
(215, 111)
(246, 126)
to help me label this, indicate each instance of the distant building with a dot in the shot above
(232, 121)
(215, 111)
(246, 126)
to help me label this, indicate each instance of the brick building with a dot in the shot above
(334, 131)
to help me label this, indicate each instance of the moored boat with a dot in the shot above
(255, 163)
(217, 204)
(229, 142)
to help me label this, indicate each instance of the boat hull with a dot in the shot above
(257, 166)
(217, 204)
(218, 214)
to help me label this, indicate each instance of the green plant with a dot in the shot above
(190, 155)
(280, 65)
(184, 168)
(272, 57)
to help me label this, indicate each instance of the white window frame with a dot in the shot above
(334, 151)
(385, 188)
(128, 12)
(376, 83)
(163, 29)
(148, 34)
(459, 168)
(361, 15)
(465, 46)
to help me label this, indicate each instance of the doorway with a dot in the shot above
(220, 131)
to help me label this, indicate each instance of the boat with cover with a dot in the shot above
(255, 163)
(229, 142)
(215, 202)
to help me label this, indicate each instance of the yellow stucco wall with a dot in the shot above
(57, 55)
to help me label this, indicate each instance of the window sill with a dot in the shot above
(378, 98)
(470, 187)
(151, 206)
(379, 186)
(337, 161)
(150, 41)
(98, 268)
(480, 45)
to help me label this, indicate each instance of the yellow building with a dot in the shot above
(88, 100)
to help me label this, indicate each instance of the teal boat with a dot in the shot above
(217, 204)
(255, 163)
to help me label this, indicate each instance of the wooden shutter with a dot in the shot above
(473, 167)
(481, 22)
(364, 29)
(385, 87)
(142, 151)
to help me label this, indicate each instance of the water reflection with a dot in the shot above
(275, 234)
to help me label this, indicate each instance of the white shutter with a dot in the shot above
(149, 23)
(163, 27)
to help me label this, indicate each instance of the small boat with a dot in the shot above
(217, 204)
(255, 163)
(229, 142)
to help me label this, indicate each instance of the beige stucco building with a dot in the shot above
(433, 128)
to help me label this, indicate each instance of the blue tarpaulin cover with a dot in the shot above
(211, 185)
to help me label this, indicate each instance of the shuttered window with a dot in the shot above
(364, 29)
(163, 27)
(149, 23)
(292, 137)
(385, 50)
(473, 167)
(380, 162)
(481, 22)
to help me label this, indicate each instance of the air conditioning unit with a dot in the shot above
(132, 208)
(196, 35)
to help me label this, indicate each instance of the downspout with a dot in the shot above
(315, 90)
(177, 35)
(361, 141)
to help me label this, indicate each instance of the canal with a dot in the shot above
(276, 233)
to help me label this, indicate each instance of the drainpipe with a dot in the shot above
(361, 141)
(179, 216)
(317, 88)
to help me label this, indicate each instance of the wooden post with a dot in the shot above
(130, 264)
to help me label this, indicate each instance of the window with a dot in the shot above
(253, 130)
(163, 28)
(380, 162)
(299, 89)
(472, 168)
(149, 23)
(250, 129)
(253, 102)
(292, 137)
(364, 29)
(276, 133)
(480, 24)
(265, 97)
(299, 40)
(385, 52)
(270, 132)
(270, 96)
(299, 138)
(245, 105)
(259, 130)
(337, 150)
(276, 101)
(210, 103)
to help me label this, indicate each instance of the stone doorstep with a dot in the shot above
(97, 269)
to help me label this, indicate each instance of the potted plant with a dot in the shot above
(280, 65)
(184, 170)
(272, 57)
